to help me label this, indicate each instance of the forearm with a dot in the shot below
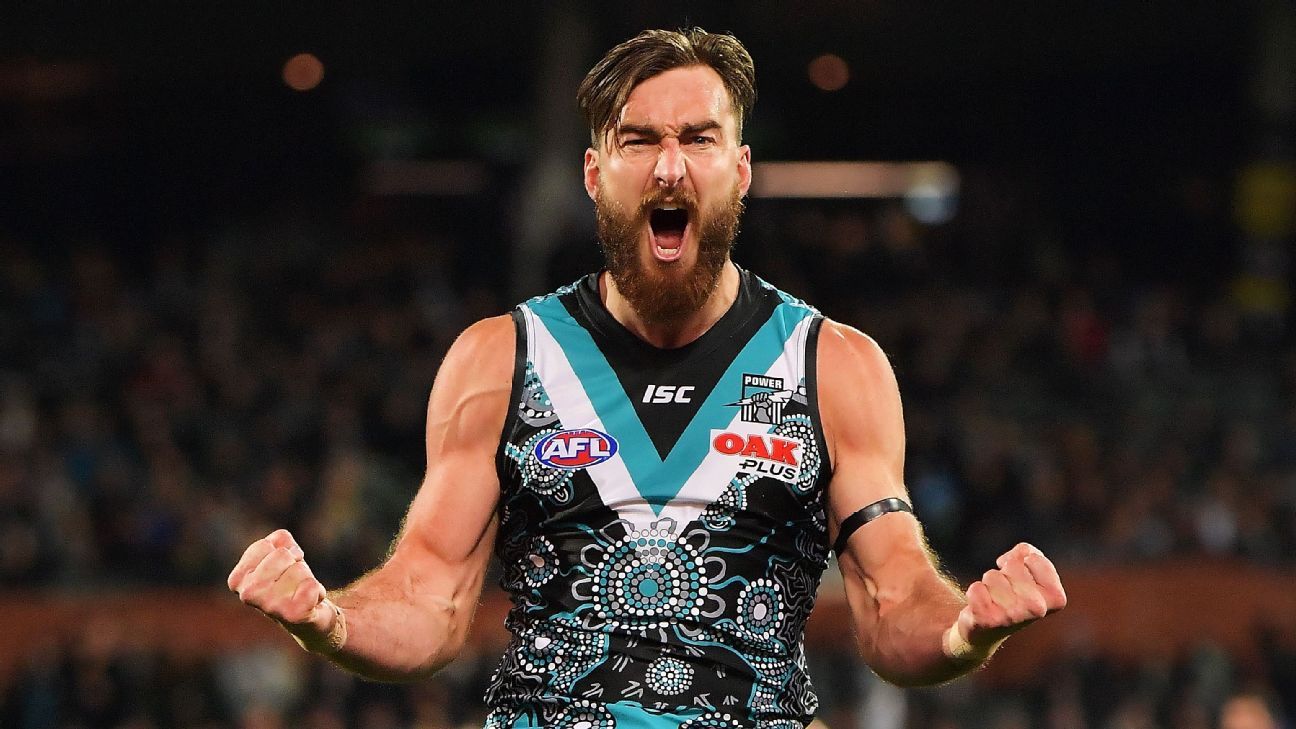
(397, 630)
(903, 638)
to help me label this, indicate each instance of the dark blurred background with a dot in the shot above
(236, 240)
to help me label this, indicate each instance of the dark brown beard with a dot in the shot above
(667, 293)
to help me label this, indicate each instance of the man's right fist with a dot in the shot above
(273, 577)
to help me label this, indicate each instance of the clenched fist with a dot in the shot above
(1023, 589)
(273, 577)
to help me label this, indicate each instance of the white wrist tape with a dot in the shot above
(958, 648)
(331, 643)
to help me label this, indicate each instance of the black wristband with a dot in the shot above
(866, 515)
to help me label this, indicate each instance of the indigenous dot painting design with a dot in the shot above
(713, 720)
(773, 675)
(541, 565)
(669, 676)
(720, 514)
(801, 428)
(648, 580)
(535, 407)
(585, 715)
(760, 610)
(563, 655)
(800, 693)
(538, 477)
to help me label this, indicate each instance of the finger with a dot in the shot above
(1014, 568)
(1046, 576)
(252, 557)
(266, 574)
(284, 538)
(1018, 552)
(277, 598)
(1027, 603)
(297, 592)
(1001, 590)
(985, 612)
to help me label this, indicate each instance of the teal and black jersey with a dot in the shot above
(662, 520)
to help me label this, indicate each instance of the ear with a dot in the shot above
(591, 173)
(744, 170)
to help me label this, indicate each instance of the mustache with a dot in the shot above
(678, 197)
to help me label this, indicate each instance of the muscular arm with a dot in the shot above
(901, 605)
(409, 617)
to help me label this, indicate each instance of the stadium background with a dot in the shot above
(223, 300)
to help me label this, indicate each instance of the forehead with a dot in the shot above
(679, 96)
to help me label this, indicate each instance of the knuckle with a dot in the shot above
(250, 596)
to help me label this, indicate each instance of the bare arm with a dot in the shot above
(409, 617)
(914, 625)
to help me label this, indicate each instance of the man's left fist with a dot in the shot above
(1024, 588)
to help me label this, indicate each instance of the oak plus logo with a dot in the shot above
(659, 394)
(763, 454)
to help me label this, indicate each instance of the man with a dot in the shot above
(661, 455)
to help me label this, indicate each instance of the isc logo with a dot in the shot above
(573, 449)
(668, 393)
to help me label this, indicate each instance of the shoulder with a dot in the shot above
(488, 336)
(858, 395)
(484, 351)
(847, 355)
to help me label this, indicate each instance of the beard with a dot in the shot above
(665, 293)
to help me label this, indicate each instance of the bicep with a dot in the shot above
(864, 426)
(448, 532)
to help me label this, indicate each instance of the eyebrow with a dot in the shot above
(651, 131)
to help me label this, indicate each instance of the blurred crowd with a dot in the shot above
(1108, 393)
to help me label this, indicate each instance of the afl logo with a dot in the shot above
(573, 449)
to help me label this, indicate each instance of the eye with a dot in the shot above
(701, 139)
(634, 142)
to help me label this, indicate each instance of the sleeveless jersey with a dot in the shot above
(662, 518)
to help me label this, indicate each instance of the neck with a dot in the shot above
(673, 334)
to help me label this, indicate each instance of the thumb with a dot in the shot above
(323, 615)
(965, 623)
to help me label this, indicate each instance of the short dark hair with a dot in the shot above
(607, 86)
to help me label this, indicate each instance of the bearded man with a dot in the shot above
(662, 455)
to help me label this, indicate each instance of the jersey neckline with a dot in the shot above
(742, 309)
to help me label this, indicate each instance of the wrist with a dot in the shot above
(327, 639)
(959, 649)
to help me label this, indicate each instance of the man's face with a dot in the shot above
(668, 183)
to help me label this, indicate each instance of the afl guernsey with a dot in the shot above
(662, 520)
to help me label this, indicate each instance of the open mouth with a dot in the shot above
(667, 225)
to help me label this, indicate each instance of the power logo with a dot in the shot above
(573, 449)
(761, 453)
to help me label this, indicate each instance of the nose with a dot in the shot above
(669, 171)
